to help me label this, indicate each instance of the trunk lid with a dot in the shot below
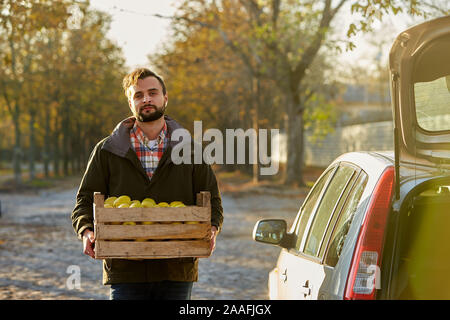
(420, 89)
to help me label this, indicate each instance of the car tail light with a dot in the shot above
(364, 275)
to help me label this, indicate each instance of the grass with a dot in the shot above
(228, 180)
(40, 182)
(237, 181)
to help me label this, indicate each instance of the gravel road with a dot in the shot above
(39, 249)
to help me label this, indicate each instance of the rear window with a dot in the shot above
(431, 77)
(432, 102)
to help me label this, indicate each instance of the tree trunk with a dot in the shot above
(76, 150)
(66, 141)
(56, 154)
(32, 150)
(17, 153)
(295, 145)
(47, 142)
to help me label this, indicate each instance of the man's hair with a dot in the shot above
(132, 78)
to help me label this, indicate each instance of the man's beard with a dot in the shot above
(155, 115)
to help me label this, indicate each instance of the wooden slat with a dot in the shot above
(190, 213)
(204, 199)
(99, 199)
(152, 250)
(154, 231)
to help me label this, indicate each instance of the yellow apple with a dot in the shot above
(163, 204)
(110, 201)
(148, 203)
(121, 200)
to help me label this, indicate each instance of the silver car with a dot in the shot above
(376, 225)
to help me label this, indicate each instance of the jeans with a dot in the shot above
(161, 290)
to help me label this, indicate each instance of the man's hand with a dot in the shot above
(213, 238)
(89, 243)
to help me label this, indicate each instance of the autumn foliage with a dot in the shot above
(59, 85)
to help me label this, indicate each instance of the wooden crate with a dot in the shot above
(161, 239)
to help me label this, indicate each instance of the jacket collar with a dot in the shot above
(119, 141)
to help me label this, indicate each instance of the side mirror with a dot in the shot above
(270, 231)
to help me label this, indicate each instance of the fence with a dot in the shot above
(374, 136)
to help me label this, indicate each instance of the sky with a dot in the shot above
(139, 33)
(134, 28)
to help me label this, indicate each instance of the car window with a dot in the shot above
(337, 210)
(308, 206)
(326, 208)
(432, 100)
(345, 220)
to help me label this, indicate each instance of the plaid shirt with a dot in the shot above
(149, 152)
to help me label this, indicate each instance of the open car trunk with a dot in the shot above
(423, 247)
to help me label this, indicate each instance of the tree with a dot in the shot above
(207, 81)
(60, 85)
(20, 24)
(282, 41)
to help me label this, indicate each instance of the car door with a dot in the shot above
(300, 269)
(298, 227)
(420, 89)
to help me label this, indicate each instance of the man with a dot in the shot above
(135, 160)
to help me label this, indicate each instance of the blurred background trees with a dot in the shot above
(269, 63)
(60, 84)
(230, 63)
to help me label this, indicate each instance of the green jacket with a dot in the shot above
(114, 170)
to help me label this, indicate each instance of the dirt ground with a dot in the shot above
(39, 249)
